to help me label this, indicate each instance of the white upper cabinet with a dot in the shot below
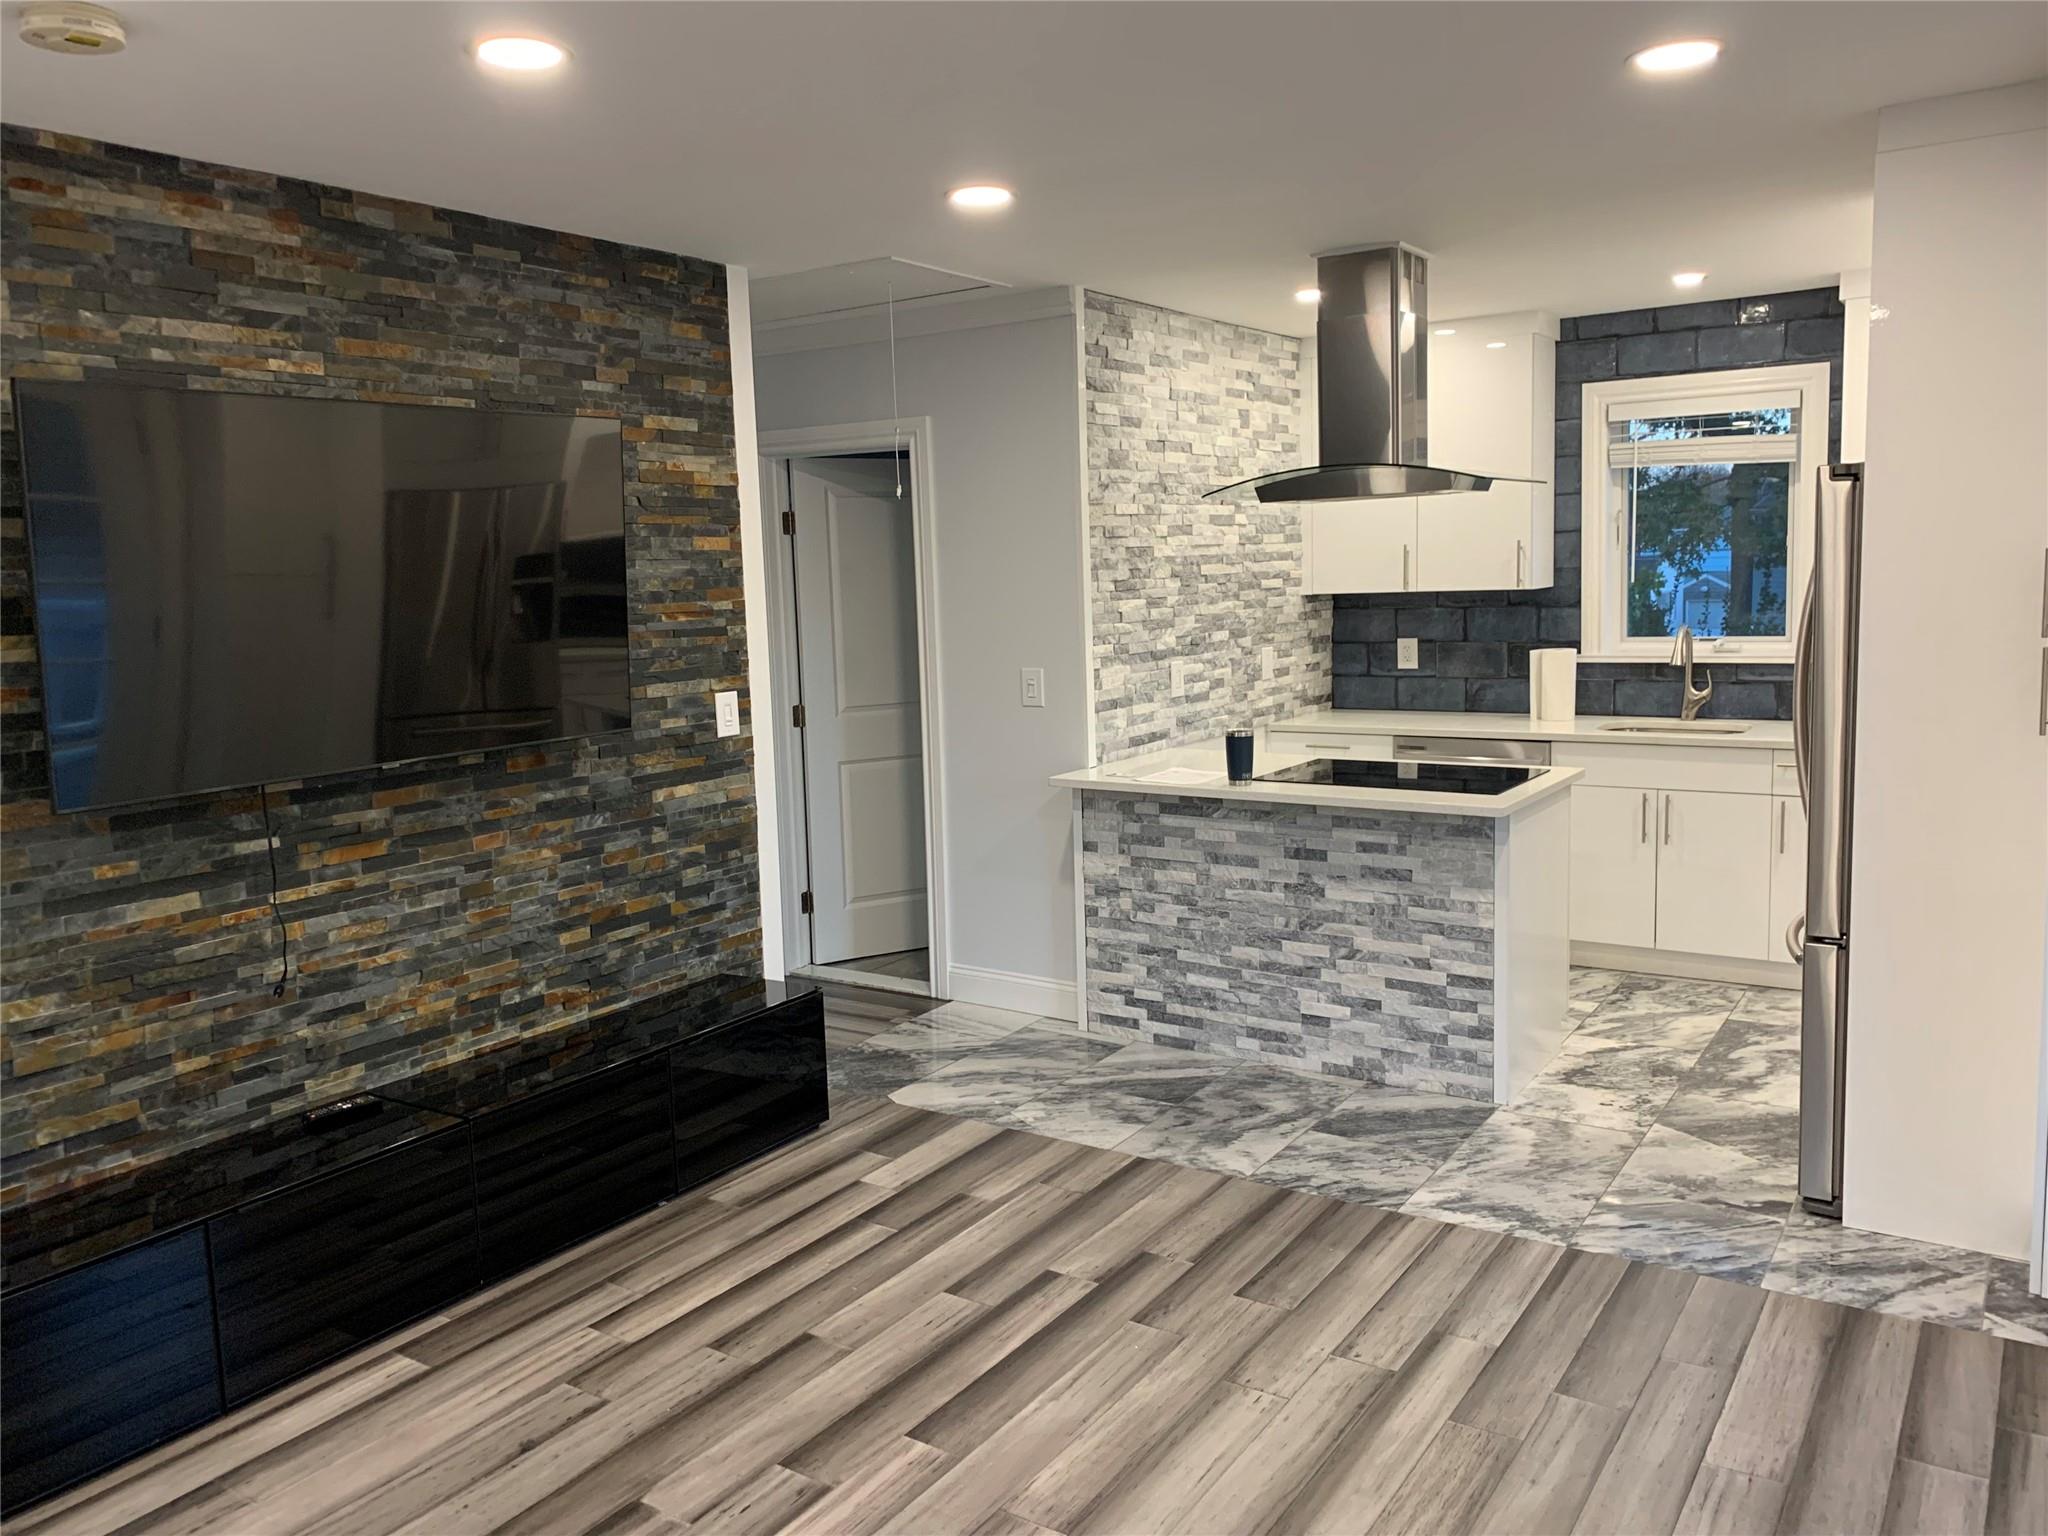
(1492, 410)
(1360, 546)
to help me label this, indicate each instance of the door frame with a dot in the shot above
(913, 436)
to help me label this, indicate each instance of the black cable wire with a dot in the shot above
(284, 934)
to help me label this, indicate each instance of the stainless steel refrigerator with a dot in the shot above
(1824, 734)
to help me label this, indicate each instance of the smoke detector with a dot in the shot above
(73, 28)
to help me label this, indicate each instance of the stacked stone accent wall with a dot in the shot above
(1357, 945)
(437, 909)
(1178, 405)
(1474, 646)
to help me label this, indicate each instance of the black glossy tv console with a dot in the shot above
(140, 1307)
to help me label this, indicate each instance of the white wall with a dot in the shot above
(1952, 795)
(1003, 400)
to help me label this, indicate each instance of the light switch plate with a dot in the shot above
(728, 713)
(1407, 653)
(1031, 687)
(1177, 678)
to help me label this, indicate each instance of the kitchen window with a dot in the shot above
(1697, 492)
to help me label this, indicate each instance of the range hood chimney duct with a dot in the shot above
(1372, 360)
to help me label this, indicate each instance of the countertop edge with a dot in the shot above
(1330, 797)
(1758, 735)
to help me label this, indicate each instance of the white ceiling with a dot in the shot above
(1188, 154)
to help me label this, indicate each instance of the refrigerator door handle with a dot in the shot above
(1802, 663)
(1795, 938)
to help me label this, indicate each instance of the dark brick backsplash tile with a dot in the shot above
(1741, 346)
(1500, 622)
(1363, 693)
(1434, 623)
(1625, 322)
(1591, 347)
(1348, 657)
(1508, 695)
(1664, 352)
(1648, 696)
(1695, 317)
(438, 908)
(1411, 692)
(1813, 340)
(1361, 624)
(1471, 658)
(1577, 360)
(1806, 305)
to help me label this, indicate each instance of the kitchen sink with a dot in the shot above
(1659, 727)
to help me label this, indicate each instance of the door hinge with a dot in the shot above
(796, 716)
(803, 903)
(789, 523)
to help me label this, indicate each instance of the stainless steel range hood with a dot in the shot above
(1372, 359)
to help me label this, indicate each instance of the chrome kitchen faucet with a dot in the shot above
(1681, 656)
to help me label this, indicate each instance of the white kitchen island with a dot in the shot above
(1412, 938)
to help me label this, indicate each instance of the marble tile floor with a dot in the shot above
(1665, 1130)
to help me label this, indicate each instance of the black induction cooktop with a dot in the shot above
(1436, 778)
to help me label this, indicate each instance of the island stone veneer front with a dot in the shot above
(1358, 944)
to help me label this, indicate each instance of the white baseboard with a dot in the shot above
(1687, 967)
(1012, 989)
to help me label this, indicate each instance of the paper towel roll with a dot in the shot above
(1554, 686)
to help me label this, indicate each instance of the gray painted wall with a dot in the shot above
(1474, 646)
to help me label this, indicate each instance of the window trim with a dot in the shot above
(1602, 610)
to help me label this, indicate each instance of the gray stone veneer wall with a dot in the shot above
(1475, 646)
(1178, 405)
(1357, 945)
(434, 909)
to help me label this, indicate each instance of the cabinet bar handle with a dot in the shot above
(1667, 821)
(1646, 815)
(1405, 583)
(1781, 826)
(1521, 551)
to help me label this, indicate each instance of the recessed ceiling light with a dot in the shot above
(1445, 330)
(1676, 58)
(1687, 279)
(1495, 346)
(1308, 295)
(980, 198)
(525, 54)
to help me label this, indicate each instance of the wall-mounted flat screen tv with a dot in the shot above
(235, 589)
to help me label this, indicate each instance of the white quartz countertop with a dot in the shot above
(1755, 734)
(1196, 773)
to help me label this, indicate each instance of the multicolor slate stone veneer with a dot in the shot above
(1178, 405)
(1357, 945)
(433, 910)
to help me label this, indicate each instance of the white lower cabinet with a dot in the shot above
(1788, 871)
(1614, 867)
(1683, 849)
(1713, 873)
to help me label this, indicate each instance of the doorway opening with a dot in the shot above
(860, 818)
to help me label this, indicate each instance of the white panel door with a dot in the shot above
(1714, 873)
(1360, 546)
(856, 583)
(1614, 866)
(1788, 870)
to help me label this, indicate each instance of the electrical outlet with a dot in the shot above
(1267, 663)
(1031, 687)
(1407, 654)
(728, 708)
(1177, 678)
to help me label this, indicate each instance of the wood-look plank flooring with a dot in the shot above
(909, 1323)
